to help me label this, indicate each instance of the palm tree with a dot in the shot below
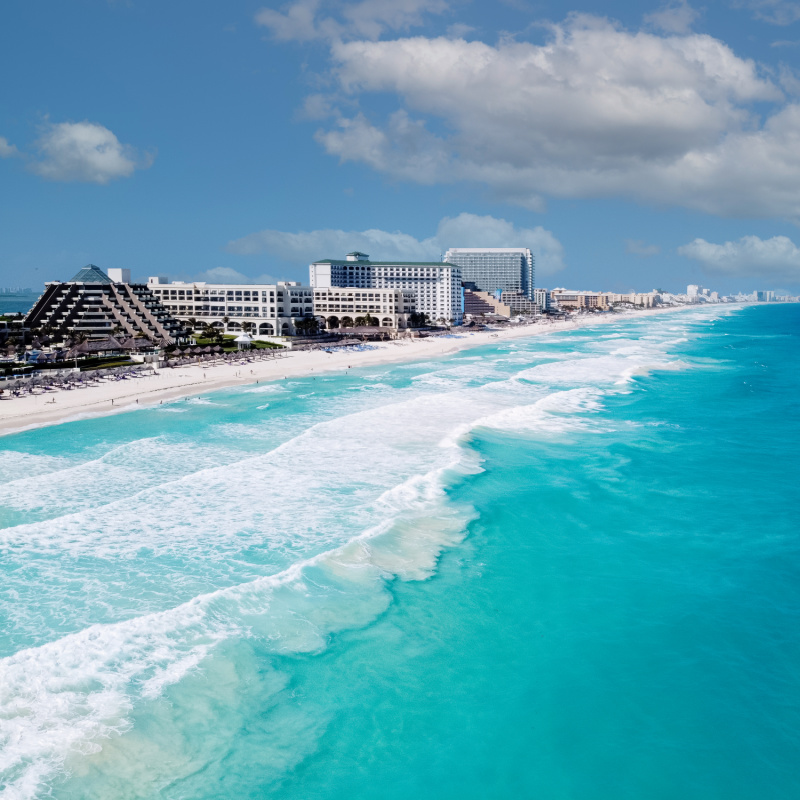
(193, 324)
(307, 326)
(370, 320)
(360, 322)
(347, 322)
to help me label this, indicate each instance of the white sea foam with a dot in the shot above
(556, 413)
(267, 388)
(140, 463)
(68, 696)
(370, 469)
(15, 465)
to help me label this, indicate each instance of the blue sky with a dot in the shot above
(630, 146)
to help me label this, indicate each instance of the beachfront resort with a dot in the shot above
(104, 321)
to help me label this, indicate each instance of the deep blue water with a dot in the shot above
(565, 567)
(12, 303)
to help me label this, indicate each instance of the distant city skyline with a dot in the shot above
(629, 146)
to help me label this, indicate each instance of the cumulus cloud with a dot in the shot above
(85, 151)
(306, 20)
(465, 230)
(595, 111)
(228, 275)
(637, 247)
(675, 17)
(777, 257)
(776, 12)
(7, 150)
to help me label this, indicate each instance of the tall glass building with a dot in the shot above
(496, 269)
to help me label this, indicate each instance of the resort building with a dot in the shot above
(484, 304)
(637, 299)
(519, 303)
(96, 305)
(499, 304)
(263, 309)
(338, 307)
(436, 285)
(495, 269)
(568, 300)
(542, 298)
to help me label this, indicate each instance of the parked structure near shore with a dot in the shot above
(95, 305)
(436, 285)
(263, 309)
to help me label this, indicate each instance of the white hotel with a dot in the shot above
(436, 285)
(338, 307)
(272, 308)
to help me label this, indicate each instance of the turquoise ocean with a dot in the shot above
(564, 567)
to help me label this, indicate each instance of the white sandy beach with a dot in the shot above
(30, 411)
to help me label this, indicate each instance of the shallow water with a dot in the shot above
(562, 568)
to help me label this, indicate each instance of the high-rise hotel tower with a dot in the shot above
(496, 269)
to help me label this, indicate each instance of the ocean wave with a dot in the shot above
(285, 517)
(67, 697)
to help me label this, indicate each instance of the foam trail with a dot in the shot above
(67, 696)
(81, 684)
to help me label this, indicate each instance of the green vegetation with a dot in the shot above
(307, 327)
(226, 341)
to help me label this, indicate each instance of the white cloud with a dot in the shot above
(675, 17)
(305, 20)
(637, 247)
(596, 111)
(228, 275)
(465, 230)
(87, 152)
(777, 12)
(7, 150)
(777, 257)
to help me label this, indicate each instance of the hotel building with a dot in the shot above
(436, 286)
(273, 309)
(338, 307)
(97, 305)
(565, 299)
(495, 269)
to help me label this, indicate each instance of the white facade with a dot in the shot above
(436, 286)
(496, 269)
(390, 308)
(271, 308)
(119, 275)
(542, 298)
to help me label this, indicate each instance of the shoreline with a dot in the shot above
(18, 414)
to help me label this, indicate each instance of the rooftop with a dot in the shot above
(344, 263)
(91, 274)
